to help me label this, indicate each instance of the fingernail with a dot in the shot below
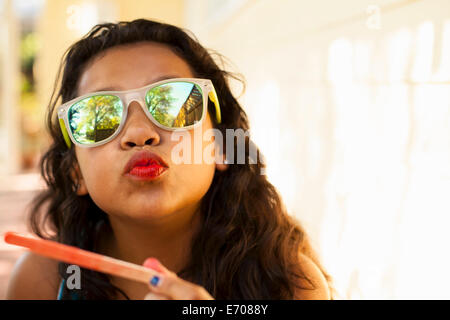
(154, 264)
(154, 281)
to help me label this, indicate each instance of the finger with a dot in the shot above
(154, 264)
(177, 288)
(170, 285)
(155, 296)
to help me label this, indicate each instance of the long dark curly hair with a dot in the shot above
(248, 245)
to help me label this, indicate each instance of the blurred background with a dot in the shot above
(349, 101)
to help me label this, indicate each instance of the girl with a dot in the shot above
(212, 230)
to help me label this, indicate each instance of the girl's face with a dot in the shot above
(101, 169)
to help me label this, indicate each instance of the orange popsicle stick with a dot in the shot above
(83, 258)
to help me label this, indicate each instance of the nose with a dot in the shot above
(138, 129)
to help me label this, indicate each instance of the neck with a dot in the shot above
(167, 239)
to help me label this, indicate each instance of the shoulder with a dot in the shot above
(33, 277)
(317, 288)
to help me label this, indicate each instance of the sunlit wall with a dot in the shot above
(350, 102)
(9, 91)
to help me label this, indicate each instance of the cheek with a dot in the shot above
(192, 183)
(195, 172)
(193, 176)
(99, 178)
(97, 171)
(102, 178)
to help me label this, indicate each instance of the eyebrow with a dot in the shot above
(114, 88)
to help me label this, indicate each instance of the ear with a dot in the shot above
(82, 190)
(77, 178)
(222, 165)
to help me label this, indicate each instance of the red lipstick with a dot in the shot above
(145, 165)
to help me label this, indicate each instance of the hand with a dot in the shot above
(168, 286)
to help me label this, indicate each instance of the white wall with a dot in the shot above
(350, 102)
(9, 90)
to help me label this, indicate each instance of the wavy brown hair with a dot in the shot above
(248, 245)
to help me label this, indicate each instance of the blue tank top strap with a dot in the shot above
(61, 288)
(73, 295)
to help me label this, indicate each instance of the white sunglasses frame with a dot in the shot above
(128, 96)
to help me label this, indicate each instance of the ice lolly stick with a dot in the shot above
(83, 258)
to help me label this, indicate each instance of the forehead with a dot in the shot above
(131, 66)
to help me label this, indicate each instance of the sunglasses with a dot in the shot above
(96, 118)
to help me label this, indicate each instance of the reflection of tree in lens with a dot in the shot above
(177, 104)
(160, 102)
(95, 118)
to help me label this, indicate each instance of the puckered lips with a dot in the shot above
(144, 165)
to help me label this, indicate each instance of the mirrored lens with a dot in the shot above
(95, 118)
(176, 104)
